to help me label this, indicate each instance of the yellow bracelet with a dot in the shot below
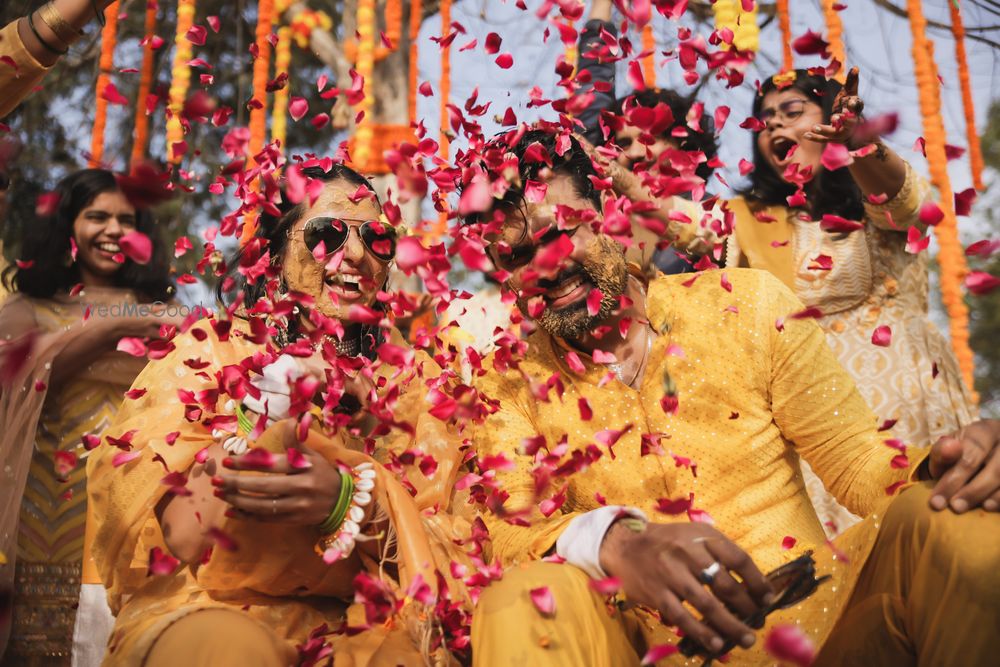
(59, 26)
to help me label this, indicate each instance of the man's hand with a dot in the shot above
(966, 465)
(660, 567)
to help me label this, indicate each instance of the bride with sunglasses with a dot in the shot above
(251, 522)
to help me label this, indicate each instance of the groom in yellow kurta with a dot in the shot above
(652, 433)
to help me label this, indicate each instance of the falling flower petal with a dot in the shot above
(657, 653)
(543, 600)
(136, 247)
(964, 201)
(915, 241)
(161, 563)
(787, 542)
(298, 108)
(980, 282)
(836, 156)
(788, 643)
(133, 346)
(505, 60)
(111, 94)
(837, 224)
(931, 214)
(122, 458)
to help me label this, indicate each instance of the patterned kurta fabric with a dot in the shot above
(755, 394)
(50, 541)
(872, 281)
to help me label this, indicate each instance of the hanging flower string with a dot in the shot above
(365, 66)
(743, 23)
(444, 140)
(261, 70)
(180, 80)
(951, 258)
(975, 150)
(109, 36)
(649, 62)
(282, 65)
(141, 134)
(785, 22)
(258, 103)
(416, 19)
(835, 36)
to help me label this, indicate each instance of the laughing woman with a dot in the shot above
(870, 289)
(65, 381)
(231, 529)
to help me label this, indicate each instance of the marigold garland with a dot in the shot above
(180, 77)
(141, 134)
(951, 258)
(282, 64)
(365, 67)
(975, 150)
(835, 36)
(730, 14)
(416, 19)
(785, 22)
(261, 71)
(109, 37)
(649, 62)
(445, 92)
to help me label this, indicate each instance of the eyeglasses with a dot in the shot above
(512, 257)
(787, 111)
(793, 582)
(379, 237)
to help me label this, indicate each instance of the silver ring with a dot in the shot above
(274, 508)
(707, 576)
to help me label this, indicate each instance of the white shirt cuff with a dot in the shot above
(580, 542)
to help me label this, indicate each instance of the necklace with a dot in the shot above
(617, 368)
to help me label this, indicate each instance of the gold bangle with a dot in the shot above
(59, 26)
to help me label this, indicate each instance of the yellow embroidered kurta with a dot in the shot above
(53, 509)
(873, 282)
(753, 398)
(21, 73)
(275, 574)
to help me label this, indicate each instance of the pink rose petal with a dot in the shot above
(980, 282)
(137, 247)
(543, 600)
(882, 336)
(931, 214)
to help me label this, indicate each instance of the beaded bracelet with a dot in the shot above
(339, 542)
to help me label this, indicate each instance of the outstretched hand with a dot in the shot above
(966, 466)
(846, 115)
(663, 565)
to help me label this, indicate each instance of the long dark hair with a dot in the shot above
(45, 245)
(694, 140)
(830, 192)
(272, 232)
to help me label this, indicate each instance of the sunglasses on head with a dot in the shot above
(379, 237)
(793, 582)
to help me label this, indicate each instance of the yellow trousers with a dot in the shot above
(929, 594)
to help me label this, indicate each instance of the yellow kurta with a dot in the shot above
(53, 508)
(872, 281)
(274, 575)
(17, 80)
(754, 397)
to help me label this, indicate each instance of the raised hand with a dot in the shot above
(298, 487)
(846, 116)
(665, 565)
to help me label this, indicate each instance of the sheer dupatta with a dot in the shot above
(33, 333)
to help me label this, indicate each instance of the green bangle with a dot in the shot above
(339, 511)
(242, 421)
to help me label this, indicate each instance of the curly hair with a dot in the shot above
(695, 140)
(45, 245)
(833, 192)
(574, 163)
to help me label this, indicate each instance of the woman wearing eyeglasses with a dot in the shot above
(835, 229)
(248, 520)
